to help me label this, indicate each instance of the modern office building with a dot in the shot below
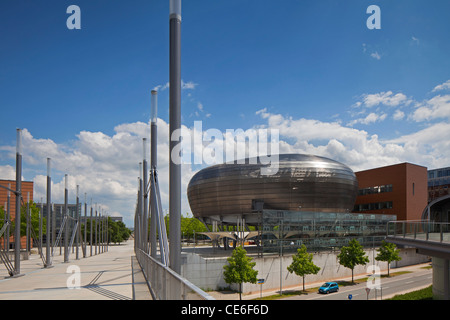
(399, 190)
(227, 192)
(438, 183)
(438, 208)
(307, 201)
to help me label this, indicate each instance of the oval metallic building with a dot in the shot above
(226, 192)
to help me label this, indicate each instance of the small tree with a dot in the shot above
(302, 264)
(388, 252)
(240, 269)
(352, 256)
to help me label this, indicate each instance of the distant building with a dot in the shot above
(27, 189)
(438, 183)
(399, 190)
(438, 208)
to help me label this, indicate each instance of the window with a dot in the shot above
(375, 190)
(374, 206)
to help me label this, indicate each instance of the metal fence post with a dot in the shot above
(66, 214)
(48, 237)
(18, 198)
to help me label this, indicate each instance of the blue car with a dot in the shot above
(328, 287)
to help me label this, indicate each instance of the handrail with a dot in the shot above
(420, 230)
(165, 283)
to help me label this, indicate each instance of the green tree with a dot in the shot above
(352, 256)
(117, 231)
(302, 264)
(191, 224)
(2, 217)
(240, 269)
(388, 252)
(34, 220)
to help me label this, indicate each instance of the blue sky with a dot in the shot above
(374, 97)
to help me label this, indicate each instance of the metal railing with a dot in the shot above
(420, 230)
(165, 284)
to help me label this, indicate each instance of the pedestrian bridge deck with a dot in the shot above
(111, 275)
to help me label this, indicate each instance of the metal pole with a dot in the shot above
(107, 233)
(85, 227)
(60, 231)
(41, 212)
(48, 262)
(66, 226)
(145, 195)
(175, 126)
(18, 198)
(8, 217)
(100, 227)
(90, 235)
(141, 208)
(78, 225)
(53, 230)
(153, 164)
(27, 228)
(96, 224)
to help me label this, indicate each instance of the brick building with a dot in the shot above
(27, 187)
(399, 189)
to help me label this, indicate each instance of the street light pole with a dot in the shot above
(66, 225)
(18, 198)
(153, 164)
(175, 126)
(48, 261)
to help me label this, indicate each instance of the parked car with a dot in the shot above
(328, 287)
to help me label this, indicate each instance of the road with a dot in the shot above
(390, 286)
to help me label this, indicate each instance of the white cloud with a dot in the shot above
(375, 55)
(434, 108)
(184, 86)
(357, 148)
(443, 86)
(188, 85)
(106, 167)
(7, 172)
(398, 115)
(370, 118)
(385, 98)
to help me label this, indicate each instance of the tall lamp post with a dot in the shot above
(175, 126)
(153, 164)
(18, 198)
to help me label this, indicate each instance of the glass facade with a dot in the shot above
(285, 231)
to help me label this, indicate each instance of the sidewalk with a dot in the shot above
(253, 295)
(106, 276)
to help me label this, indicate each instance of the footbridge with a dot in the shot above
(431, 239)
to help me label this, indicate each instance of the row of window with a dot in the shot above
(373, 206)
(376, 189)
(439, 173)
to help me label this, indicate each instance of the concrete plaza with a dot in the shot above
(111, 275)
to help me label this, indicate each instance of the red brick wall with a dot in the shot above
(27, 186)
(406, 204)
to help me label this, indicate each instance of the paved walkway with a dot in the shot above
(112, 275)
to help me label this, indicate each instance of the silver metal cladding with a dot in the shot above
(303, 182)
